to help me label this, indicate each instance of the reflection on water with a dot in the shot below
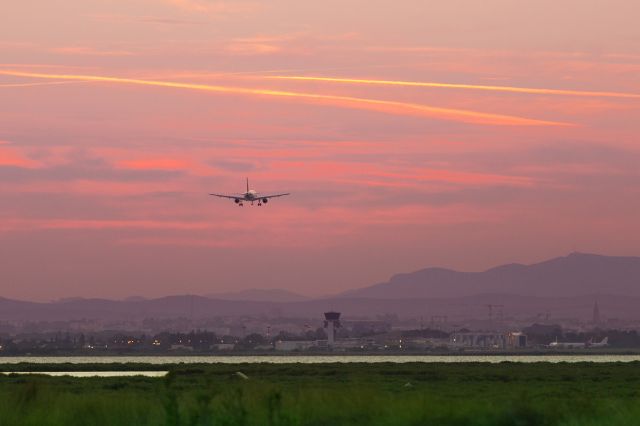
(93, 373)
(314, 359)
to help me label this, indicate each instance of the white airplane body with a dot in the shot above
(250, 196)
(568, 345)
(602, 344)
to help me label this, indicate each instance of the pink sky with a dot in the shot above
(117, 118)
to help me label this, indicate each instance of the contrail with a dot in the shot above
(37, 84)
(390, 107)
(529, 90)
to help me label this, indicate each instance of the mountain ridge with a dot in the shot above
(260, 295)
(567, 285)
(571, 275)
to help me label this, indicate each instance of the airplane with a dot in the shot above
(250, 196)
(567, 345)
(603, 343)
(579, 345)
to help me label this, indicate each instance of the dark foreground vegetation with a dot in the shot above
(328, 394)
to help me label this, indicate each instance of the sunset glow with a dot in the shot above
(409, 135)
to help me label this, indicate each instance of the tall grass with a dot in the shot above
(353, 394)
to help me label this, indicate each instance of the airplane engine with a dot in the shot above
(236, 201)
(265, 200)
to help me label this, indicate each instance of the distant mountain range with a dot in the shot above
(574, 275)
(198, 307)
(260, 295)
(564, 287)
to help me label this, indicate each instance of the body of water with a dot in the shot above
(93, 373)
(315, 359)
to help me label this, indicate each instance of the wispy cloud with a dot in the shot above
(89, 51)
(215, 6)
(78, 224)
(47, 66)
(150, 19)
(293, 43)
(154, 164)
(12, 157)
(386, 106)
(252, 48)
(17, 167)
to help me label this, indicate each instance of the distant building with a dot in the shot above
(294, 345)
(181, 347)
(422, 343)
(353, 343)
(479, 340)
(516, 339)
(265, 347)
(489, 340)
(224, 346)
(331, 323)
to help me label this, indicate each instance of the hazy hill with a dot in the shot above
(572, 275)
(202, 307)
(261, 295)
(562, 287)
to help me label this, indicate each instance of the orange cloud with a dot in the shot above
(48, 66)
(11, 157)
(48, 83)
(529, 90)
(389, 107)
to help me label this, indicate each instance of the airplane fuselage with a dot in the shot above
(580, 345)
(567, 345)
(250, 196)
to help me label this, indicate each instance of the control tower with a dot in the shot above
(331, 323)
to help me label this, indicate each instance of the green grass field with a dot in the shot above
(329, 394)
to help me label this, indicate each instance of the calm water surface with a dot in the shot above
(315, 359)
(93, 373)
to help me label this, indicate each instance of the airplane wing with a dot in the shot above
(232, 197)
(272, 195)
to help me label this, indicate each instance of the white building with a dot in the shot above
(331, 323)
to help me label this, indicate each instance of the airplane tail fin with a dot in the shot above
(247, 184)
